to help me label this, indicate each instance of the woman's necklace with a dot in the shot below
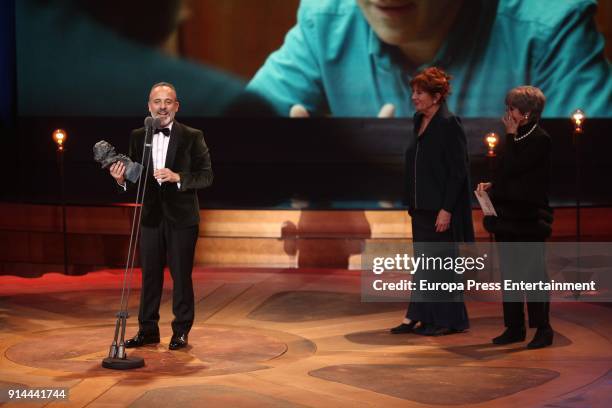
(516, 139)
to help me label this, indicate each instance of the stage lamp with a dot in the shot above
(578, 117)
(59, 137)
(491, 140)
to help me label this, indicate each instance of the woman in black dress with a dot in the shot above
(519, 192)
(438, 195)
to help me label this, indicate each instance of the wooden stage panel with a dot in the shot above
(31, 236)
(282, 338)
(415, 383)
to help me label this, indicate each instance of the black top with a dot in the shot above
(523, 172)
(437, 171)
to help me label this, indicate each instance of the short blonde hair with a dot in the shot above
(527, 98)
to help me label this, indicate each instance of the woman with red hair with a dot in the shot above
(438, 198)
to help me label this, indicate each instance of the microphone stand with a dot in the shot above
(117, 357)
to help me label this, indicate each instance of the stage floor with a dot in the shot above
(290, 338)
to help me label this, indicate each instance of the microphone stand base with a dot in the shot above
(127, 363)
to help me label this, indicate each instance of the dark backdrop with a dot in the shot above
(265, 163)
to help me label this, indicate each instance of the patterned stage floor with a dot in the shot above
(290, 338)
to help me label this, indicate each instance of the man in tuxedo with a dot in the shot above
(179, 165)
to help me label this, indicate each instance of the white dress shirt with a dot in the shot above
(159, 149)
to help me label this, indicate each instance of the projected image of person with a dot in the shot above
(352, 57)
(438, 196)
(519, 192)
(97, 57)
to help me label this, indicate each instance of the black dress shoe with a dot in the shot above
(403, 328)
(543, 337)
(510, 335)
(178, 341)
(141, 339)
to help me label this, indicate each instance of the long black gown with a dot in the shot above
(437, 170)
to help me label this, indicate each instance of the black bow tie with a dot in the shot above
(165, 131)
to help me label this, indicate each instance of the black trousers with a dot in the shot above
(440, 309)
(160, 246)
(523, 258)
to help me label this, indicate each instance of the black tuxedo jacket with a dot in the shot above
(188, 156)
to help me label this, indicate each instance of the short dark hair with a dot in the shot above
(527, 98)
(168, 84)
(432, 80)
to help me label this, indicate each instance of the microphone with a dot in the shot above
(150, 124)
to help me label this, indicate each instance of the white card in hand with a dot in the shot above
(485, 203)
